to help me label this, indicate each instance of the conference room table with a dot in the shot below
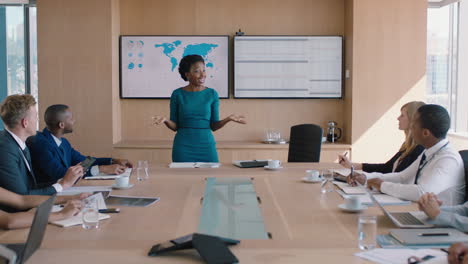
(305, 225)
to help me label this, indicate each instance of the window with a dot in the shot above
(441, 55)
(18, 49)
(447, 44)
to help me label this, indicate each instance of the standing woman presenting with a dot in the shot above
(194, 114)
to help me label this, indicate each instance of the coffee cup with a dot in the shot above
(313, 175)
(274, 164)
(122, 181)
(353, 202)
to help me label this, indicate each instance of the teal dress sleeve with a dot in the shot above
(174, 116)
(215, 108)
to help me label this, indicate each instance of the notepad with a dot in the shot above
(398, 256)
(102, 176)
(384, 199)
(425, 236)
(194, 165)
(345, 172)
(348, 189)
(78, 219)
(250, 163)
(387, 241)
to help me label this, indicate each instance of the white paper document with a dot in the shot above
(103, 176)
(85, 189)
(194, 165)
(400, 256)
(77, 219)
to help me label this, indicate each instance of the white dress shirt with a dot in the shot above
(443, 175)
(94, 170)
(57, 186)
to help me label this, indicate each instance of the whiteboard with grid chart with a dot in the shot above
(288, 66)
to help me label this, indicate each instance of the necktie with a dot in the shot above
(27, 154)
(63, 156)
(421, 165)
(62, 151)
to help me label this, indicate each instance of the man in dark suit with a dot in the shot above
(19, 115)
(52, 154)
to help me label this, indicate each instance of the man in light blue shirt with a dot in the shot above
(449, 216)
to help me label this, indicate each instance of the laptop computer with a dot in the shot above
(36, 233)
(403, 219)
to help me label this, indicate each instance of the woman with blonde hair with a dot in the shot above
(409, 150)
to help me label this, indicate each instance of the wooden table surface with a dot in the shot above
(305, 224)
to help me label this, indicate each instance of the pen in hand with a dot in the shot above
(342, 157)
(354, 182)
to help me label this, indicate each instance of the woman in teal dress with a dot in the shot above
(194, 114)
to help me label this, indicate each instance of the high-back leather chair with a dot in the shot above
(305, 143)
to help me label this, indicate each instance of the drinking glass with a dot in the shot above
(142, 170)
(327, 184)
(268, 135)
(367, 232)
(90, 214)
(272, 135)
(276, 136)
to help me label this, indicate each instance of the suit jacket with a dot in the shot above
(14, 173)
(388, 166)
(50, 163)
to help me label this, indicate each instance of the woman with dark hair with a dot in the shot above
(194, 114)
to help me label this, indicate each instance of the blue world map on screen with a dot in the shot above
(202, 49)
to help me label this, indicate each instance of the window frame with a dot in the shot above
(461, 126)
(457, 84)
(26, 5)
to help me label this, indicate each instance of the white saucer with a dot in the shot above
(268, 168)
(356, 210)
(279, 141)
(122, 188)
(306, 179)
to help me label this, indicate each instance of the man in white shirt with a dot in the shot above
(19, 115)
(439, 169)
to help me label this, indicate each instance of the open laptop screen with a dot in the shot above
(38, 227)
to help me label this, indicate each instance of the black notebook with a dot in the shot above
(250, 163)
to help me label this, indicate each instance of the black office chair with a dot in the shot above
(464, 155)
(305, 143)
